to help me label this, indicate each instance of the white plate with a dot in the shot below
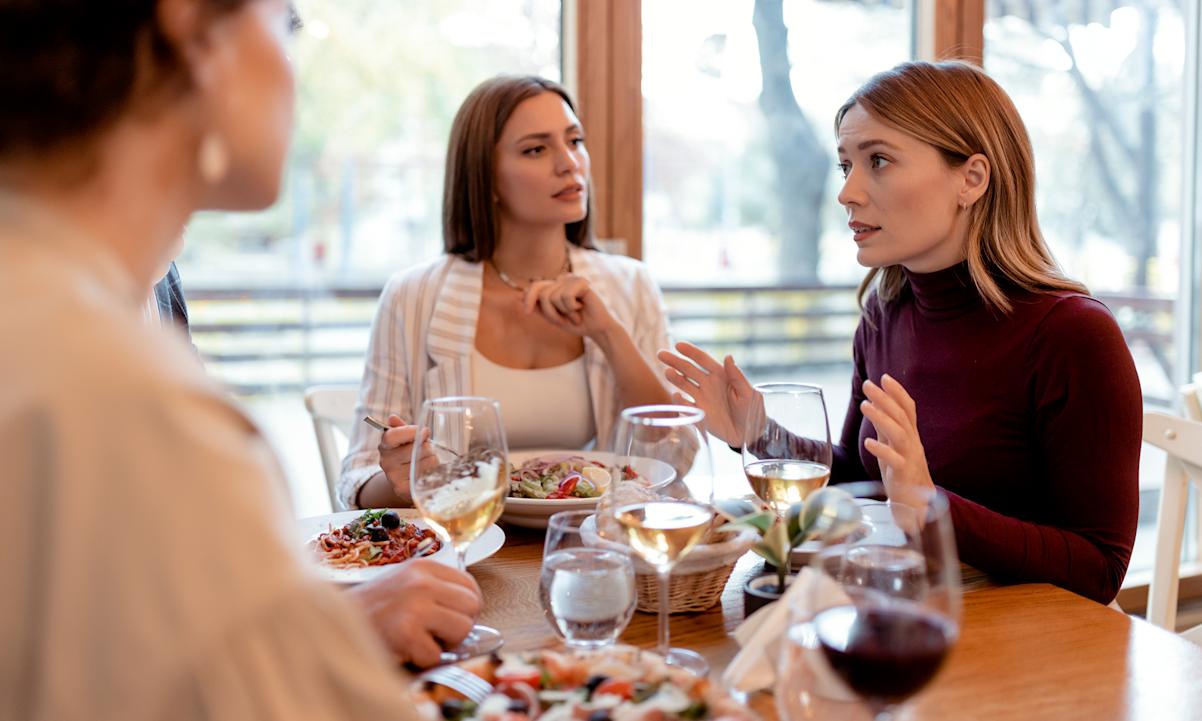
(486, 545)
(534, 512)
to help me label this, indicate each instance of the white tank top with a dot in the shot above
(541, 407)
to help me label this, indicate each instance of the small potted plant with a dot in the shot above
(827, 510)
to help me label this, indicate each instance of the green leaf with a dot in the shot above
(735, 508)
(774, 546)
(793, 524)
(829, 511)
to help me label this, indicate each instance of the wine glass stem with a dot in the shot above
(665, 578)
(460, 556)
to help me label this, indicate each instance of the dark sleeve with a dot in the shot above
(1088, 415)
(169, 293)
(846, 462)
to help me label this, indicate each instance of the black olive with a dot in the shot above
(599, 715)
(377, 534)
(390, 520)
(452, 708)
(593, 683)
(518, 706)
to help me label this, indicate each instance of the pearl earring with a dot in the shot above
(213, 158)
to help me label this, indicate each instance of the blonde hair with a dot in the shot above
(960, 111)
(469, 215)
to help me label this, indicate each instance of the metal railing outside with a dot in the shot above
(279, 340)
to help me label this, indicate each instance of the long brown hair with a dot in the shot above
(469, 215)
(960, 111)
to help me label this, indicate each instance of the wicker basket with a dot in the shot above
(697, 581)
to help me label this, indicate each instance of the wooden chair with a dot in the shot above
(1191, 396)
(332, 409)
(1181, 439)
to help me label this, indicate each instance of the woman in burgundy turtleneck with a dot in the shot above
(978, 367)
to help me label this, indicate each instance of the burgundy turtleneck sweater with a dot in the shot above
(1031, 422)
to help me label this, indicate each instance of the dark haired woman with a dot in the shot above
(150, 560)
(521, 308)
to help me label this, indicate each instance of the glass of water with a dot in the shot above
(586, 585)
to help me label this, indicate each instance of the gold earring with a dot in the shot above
(212, 158)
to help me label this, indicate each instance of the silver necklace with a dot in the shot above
(567, 268)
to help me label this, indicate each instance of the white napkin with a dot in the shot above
(760, 635)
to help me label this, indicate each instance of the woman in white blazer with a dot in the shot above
(520, 308)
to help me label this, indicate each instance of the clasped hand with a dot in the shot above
(569, 303)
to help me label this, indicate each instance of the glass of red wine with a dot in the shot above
(880, 613)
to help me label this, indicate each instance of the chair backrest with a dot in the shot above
(1191, 397)
(1181, 439)
(332, 409)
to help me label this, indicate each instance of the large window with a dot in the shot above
(740, 175)
(378, 84)
(1100, 88)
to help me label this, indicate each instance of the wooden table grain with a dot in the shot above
(1027, 652)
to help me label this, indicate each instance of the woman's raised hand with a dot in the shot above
(897, 445)
(570, 303)
(719, 389)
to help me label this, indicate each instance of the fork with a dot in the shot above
(455, 678)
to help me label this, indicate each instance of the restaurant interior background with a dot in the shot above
(722, 181)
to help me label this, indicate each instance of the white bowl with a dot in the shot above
(534, 512)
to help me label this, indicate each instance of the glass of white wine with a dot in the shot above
(661, 525)
(460, 490)
(787, 447)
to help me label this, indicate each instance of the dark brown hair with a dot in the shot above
(960, 111)
(69, 68)
(469, 216)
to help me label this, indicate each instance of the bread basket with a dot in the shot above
(697, 580)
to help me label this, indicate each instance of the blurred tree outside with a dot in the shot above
(1120, 184)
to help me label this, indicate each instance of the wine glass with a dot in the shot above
(586, 585)
(461, 491)
(787, 447)
(881, 613)
(661, 525)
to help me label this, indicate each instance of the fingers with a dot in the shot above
(449, 626)
(888, 430)
(734, 376)
(397, 436)
(698, 356)
(453, 588)
(681, 381)
(884, 453)
(680, 372)
(682, 399)
(900, 396)
(887, 404)
(410, 642)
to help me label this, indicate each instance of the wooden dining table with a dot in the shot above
(1030, 652)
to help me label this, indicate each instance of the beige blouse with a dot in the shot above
(425, 331)
(150, 566)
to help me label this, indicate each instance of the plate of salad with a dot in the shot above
(546, 481)
(620, 683)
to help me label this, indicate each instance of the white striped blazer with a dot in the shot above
(425, 330)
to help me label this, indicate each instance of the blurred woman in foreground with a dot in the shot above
(151, 562)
